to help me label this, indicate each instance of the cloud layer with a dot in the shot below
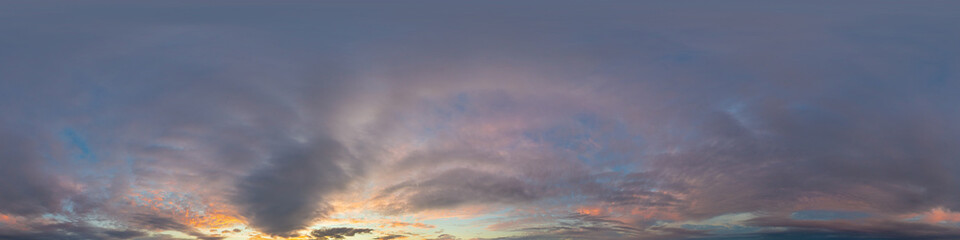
(452, 120)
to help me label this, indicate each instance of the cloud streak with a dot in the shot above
(338, 233)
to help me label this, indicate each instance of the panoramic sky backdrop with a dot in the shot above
(479, 120)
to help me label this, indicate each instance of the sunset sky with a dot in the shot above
(510, 120)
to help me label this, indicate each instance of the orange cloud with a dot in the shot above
(13, 222)
(194, 213)
(592, 211)
(940, 214)
(406, 224)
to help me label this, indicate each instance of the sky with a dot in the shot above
(479, 120)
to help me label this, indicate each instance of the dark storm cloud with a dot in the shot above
(338, 233)
(288, 193)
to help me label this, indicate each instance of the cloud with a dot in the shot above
(811, 151)
(338, 233)
(600, 227)
(212, 126)
(389, 237)
(125, 234)
(67, 231)
(396, 224)
(27, 188)
(464, 186)
(151, 221)
(883, 229)
(155, 222)
(259, 114)
(446, 237)
(287, 194)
